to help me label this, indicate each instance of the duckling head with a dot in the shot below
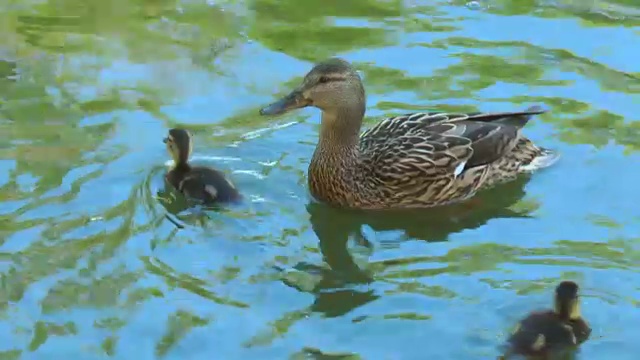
(567, 304)
(179, 145)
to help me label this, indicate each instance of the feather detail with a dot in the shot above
(427, 159)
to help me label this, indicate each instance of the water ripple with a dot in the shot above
(96, 250)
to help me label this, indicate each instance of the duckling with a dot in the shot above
(543, 333)
(198, 183)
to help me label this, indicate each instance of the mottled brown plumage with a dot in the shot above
(197, 183)
(546, 333)
(410, 161)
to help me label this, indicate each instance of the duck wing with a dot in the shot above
(416, 155)
(441, 144)
(208, 185)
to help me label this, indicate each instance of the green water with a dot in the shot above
(91, 268)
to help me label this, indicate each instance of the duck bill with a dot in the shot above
(295, 100)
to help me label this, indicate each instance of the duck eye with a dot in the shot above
(323, 80)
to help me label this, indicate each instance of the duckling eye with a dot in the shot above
(323, 80)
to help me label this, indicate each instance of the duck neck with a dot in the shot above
(567, 309)
(182, 166)
(335, 159)
(336, 154)
(340, 129)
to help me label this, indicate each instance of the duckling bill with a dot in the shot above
(199, 183)
(544, 333)
(415, 160)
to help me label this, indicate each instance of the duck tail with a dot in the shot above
(543, 158)
(520, 119)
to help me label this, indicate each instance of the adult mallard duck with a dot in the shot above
(203, 184)
(544, 333)
(415, 160)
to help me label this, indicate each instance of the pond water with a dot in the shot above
(92, 268)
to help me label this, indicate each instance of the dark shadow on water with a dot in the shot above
(308, 353)
(569, 354)
(340, 285)
(342, 282)
(334, 226)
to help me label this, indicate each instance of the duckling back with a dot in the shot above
(544, 333)
(203, 184)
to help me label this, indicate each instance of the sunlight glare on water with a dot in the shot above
(91, 266)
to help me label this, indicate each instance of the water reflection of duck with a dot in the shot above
(200, 183)
(547, 333)
(411, 161)
(334, 225)
(336, 285)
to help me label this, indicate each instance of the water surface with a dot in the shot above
(91, 267)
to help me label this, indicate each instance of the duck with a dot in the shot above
(547, 332)
(416, 160)
(203, 184)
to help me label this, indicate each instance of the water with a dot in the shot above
(92, 268)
